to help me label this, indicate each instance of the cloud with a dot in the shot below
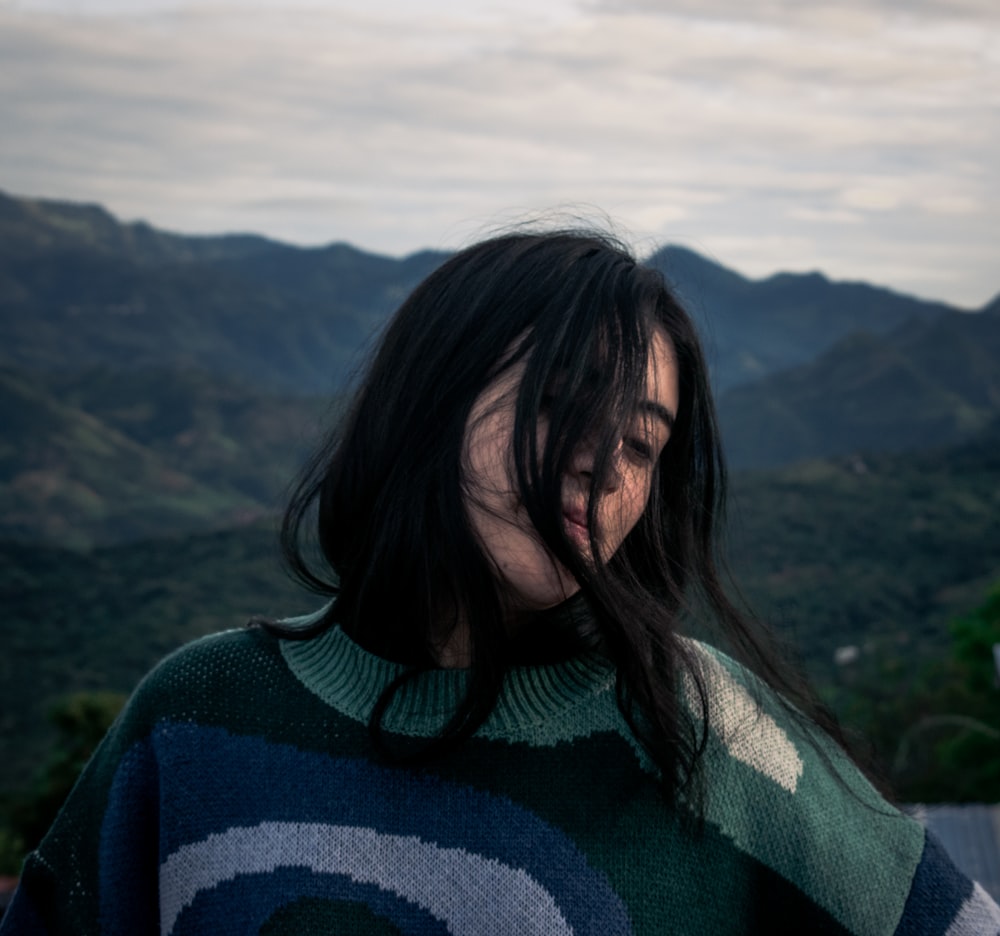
(396, 127)
(848, 13)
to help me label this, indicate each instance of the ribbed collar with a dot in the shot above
(350, 680)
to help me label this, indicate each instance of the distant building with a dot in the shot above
(844, 655)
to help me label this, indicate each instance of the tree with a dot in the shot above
(952, 751)
(81, 721)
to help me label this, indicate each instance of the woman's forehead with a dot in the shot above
(656, 387)
(662, 381)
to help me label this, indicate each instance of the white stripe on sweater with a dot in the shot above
(471, 893)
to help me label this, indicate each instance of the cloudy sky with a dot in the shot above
(857, 137)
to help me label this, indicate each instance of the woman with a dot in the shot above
(500, 722)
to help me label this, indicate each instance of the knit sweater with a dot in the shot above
(239, 793)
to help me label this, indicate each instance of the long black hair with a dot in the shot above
(386, 496)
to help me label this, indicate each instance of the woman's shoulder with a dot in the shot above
(751, 724)
(213, 654)
(785, 791)
(226, 665)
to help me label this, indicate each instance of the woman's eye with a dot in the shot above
(640, 449)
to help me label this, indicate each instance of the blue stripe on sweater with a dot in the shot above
(937, 893)
(207, 781)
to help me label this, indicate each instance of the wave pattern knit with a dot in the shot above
(238, 794)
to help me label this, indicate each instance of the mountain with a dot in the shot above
(29, 227)
(753, 328)
(930, 382)
(159, 384)
(80, 289)
(108, 456)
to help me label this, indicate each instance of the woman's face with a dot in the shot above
(534, 579)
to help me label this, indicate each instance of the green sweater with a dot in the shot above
(238, 793)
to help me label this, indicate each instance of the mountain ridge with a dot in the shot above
(79, 287)
(217, 352)
(930, 382)
(783, 320)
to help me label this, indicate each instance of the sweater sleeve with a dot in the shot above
(943, 900)
(798, 803)
(96, 869)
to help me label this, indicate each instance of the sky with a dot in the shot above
(859, 138)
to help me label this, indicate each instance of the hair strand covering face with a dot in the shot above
(388, 492)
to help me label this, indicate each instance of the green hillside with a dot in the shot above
(874, 550)
(100, 620)
(930, 383)
(107, 456)
(877, 554)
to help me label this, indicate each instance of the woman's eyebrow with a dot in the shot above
(659, 411)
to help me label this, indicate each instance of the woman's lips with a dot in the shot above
(577, 528)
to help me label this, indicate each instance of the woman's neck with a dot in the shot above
(534, 637)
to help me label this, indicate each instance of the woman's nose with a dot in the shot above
(585, 460)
